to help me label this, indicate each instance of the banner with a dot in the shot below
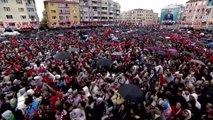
(169, 16)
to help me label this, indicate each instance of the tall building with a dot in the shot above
(140, 16)
(62, 13)
(210, 14)
(99, 10)
(196, 14)
(155, 18)
(18, 14)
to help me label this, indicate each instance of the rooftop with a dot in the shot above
(142, 9)
(60, 1)
(172, 6)
(193, 1)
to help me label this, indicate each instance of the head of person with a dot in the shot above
(187, 114)
(178, 105)
(29, 101)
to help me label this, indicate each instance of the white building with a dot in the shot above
(99, 10)
(140, 16)
(18, 14)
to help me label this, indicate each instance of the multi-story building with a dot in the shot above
(155, 18)
(210, 14)
(99, 10)
(140, 16)
(195, 14)
(62, 13)
(18, 14)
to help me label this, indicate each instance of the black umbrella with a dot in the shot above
(73, 50)
(197, 61)
(62, 56)
(186, 53)
(175, 54)
(131, 93)
(104, 62)
(161, 53)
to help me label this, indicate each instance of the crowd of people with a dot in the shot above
(76, 74)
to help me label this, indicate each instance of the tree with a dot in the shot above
(43, 24)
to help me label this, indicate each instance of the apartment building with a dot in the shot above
(196, 14)
(210, 14)
(62, 13)
(18, 14)
(99, 10)
(140, 16)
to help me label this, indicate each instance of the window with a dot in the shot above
(61, 5)
(30, 9)
(75, 17)
(67, 17)
(20, 9)
(53, 11)
(51, 4)
(11, 24)
(61, 17)
(23, 17)
(4, 1)
(24, 23)
(190, 11)
(29, 2)
(203, 10)
(19, 1)
(196, 17)
(32, 17)
(94, 2)
(9, 16)
(6, 8)
(198, 10)
(200, 17)
(53, 17)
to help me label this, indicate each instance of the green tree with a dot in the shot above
(43, 24)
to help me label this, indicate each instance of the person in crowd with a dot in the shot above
(61, 76)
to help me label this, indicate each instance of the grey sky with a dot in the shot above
(155, 5)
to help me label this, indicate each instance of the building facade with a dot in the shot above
(18, 14)
(196, 15)
(210, 15)
(62, 13)
(99, 10)
(140, 16)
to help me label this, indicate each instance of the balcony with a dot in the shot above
(105, 10)
(94, 5)
(111, 15)
(104, 5)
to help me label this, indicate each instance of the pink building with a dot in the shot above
(210, 18)
(195, 14)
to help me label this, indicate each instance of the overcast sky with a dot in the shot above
(155, 5)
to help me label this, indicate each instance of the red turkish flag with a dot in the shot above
(108, 32)
(207, 53)
(17, 67)
(211, 58)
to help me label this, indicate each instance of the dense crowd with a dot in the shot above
(76, 74)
